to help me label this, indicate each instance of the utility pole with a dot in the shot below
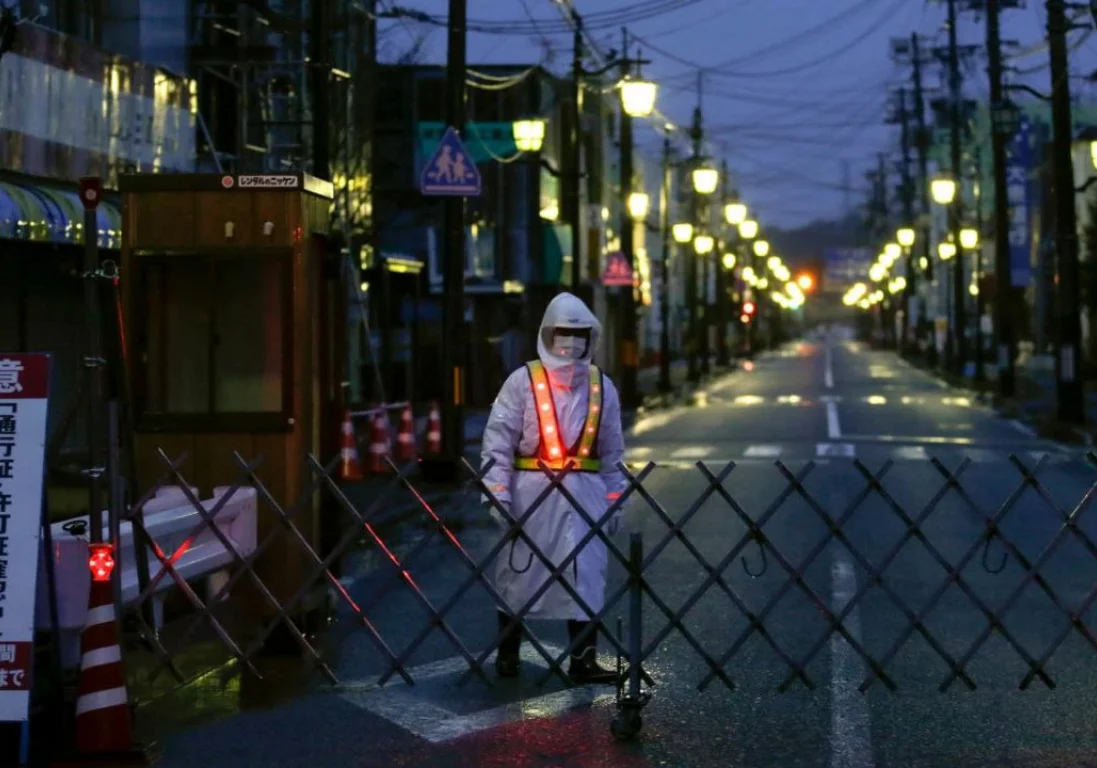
(1003, 279)
(628, 353)
(921, 144)
(955, 210)
(573, 175)
(320, 49)
(1071, 396)
(722, 298)
(664, 272)
(704, 209)
(906, 197)
(453, 278)
(694, 372)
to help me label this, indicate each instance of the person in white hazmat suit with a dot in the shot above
(563, 411)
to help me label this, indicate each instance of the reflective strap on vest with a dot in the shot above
(552, 451)
(533, 463)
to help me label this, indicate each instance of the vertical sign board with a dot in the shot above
(24, 385)
(1021, 192)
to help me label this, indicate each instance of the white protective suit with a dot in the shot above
(556, 528)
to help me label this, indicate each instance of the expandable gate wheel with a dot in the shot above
(626, 724)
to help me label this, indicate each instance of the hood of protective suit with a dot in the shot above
(567, 311)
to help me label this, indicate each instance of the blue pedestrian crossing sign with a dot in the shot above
(451, 171)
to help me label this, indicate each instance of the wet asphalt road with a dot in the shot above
(833, 415)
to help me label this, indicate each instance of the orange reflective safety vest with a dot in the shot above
(581, 457)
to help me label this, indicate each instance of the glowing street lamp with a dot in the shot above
(529, 135)
(893, 252)
(703, 244)
(729, 261)
(943, 190)
(638, 97)
(748, 229)
(946, 250)
(905, 236)
(705, 180)
(969, 238)
(735, 213)
(682, 232)
(638, 204)
(761, 248)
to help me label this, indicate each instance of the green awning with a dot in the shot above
(53, 214)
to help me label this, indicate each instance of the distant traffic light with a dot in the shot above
(744, 319)
(805, 282)
(748, 308)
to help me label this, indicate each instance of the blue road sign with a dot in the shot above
(451, 171)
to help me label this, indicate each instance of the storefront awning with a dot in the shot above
(53, 215)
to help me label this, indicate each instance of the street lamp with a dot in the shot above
(905, 236)
(638, 97)
(748, 229)
(893, 252)
(529, 135)
(682, 232)
(761, 248)
(729, 261)
(638, 204)
(1093, 153)
(946, 250)
(703, 244)
(705, 180)
(969, 238)
(735, 213)
(943, 190)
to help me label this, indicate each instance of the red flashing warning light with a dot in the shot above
(101, 562)
(805, 282)
(748, 307)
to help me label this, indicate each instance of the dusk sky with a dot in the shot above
(793, 90)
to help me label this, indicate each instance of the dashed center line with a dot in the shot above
(763, 450)
(850, 724)
(834, 429)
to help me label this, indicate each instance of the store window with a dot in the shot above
(214, 339)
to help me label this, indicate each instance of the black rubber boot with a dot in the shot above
(508, 659)
(584, 667)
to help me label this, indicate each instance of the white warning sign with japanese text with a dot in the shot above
(24, 387)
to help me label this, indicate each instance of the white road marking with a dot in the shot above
(1024, 429)
(828, 369)
(691, 452)
(850, 725)
(763, 451)
(845, 450)
(911, 453)
(437, 724)
(834, 429)
(639, 452)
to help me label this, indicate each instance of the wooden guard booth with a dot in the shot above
(234, 318)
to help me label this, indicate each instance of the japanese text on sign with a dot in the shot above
(23, 405)
(267, 182)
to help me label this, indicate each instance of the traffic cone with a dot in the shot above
(434, 431)
(351, 470)
(405, 438)
(104, 725)
(379, 445)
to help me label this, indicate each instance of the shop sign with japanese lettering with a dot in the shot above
(24, 386)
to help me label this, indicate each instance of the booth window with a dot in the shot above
(215, 334)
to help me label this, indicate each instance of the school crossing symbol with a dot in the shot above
(451, 171)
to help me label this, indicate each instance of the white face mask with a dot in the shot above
(571, 347)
